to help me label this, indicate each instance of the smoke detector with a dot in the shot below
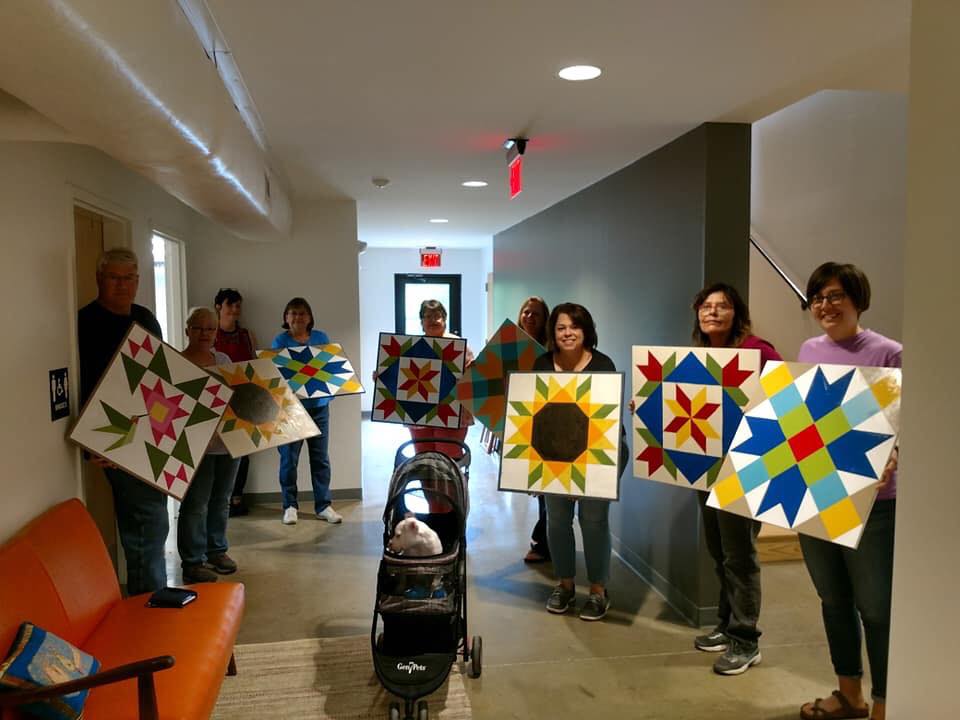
(380, 182)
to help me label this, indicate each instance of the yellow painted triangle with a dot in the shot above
(596, 434)
(776, 380)
(886, 390)
(565, 393)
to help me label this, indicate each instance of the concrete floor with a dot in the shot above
(318, 580)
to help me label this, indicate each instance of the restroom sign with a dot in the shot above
(59, 394)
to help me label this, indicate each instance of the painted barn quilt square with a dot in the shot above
(417, 380)
(153, 413)
(263, 412)
(562, 434)
(689, 403)
(318, 371)
(482, 389)
(809, 454)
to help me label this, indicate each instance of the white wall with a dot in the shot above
(39, 183)
(829, 183)
(923, 659)
(377, 268)
(318, 263)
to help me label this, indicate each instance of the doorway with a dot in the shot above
(412, 289)
(169, 282)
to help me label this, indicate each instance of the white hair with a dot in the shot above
(118, 256)
(196, 312)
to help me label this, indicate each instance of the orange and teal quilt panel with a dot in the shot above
(482, 389)
(809, 454)
(689, 403)
(316, 371)
(562, 434)
(417, 380)
(153, 413)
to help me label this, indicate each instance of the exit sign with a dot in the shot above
(430, 257)
(516, 176)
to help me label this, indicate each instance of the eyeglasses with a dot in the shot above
(433, 317)
(718, 308)
(114, 278)
(834, 298)
(197, 328)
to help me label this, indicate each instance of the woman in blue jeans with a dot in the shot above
(854, 586)
(571, 344)
(299, 331)
(202, 525)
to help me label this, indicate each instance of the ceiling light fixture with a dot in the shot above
(474, 183)
(439, 220)
(580, 72)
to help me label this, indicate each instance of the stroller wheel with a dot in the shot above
(476, 656)
(423, 712)
(394, 711)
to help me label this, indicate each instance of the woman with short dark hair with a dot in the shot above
(721, 319)
(299, 331)
(572, 343)
(854, 585)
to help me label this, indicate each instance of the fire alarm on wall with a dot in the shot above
(430, 257)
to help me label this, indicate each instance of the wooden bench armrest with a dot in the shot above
(143, 670)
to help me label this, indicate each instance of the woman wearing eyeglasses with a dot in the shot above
(202, 527)
(854, 585)
(239, 344)
(722, 320)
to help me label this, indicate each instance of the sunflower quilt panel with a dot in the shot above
(417, 380)
(263, 412)
(689, 402)
(809, 453)
(482, 389)
(153, 413)
(562, 434)
(316, 371)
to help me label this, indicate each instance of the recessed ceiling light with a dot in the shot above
(580, 72)
(474, 183)
(438, 220)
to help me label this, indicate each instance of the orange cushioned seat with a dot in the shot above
(56, 573)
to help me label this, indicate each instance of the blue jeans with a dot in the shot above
(143, 525)
(855, 586)
(202, 528)
(594, 525)
(319, 463)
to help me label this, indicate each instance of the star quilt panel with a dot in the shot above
(482, 389)
(417, 380)
(562, 434)
(808, 456)
(153, 413)
(263, 412)
(317, 371)
(689, 402)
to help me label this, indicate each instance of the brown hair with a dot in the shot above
(580, 316)
(852, 279)
(432, 306)
(741, 315)
(298, 303)
(536, 300)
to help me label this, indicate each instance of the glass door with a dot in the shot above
(411, 290)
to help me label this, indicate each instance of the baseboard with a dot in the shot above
(695, 615)
(303, 495)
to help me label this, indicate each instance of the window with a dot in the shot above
(170, 287)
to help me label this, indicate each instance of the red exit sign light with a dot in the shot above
(430, 258)
(516, 176)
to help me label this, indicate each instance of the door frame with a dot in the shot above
(401, 280)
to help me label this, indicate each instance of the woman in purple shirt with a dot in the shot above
(722, 320)
(854, 585)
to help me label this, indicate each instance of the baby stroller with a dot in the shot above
(421, 606)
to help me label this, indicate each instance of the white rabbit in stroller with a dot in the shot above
(415, 538)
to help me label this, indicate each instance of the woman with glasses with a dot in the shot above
(299, 331)
(854, 585)
(202, 527)
(722, 320)
(239, 345)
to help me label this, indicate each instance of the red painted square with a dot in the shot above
(308, 370)
(805, 443)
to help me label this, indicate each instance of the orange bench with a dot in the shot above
(56, 574)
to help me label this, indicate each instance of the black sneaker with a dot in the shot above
(561, 599)
(596, 606)
(222, 564)
(193, 574)
(715, 641)
(737, 659)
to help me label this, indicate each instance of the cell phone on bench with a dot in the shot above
(172, 597)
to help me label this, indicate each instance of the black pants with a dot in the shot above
(731, 540)
(241, 481)
(539, 535)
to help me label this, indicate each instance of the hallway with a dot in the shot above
(317, 580)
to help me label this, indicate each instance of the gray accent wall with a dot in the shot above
(634, 248)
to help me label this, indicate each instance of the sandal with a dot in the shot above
(846, 711)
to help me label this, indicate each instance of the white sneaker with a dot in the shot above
(290, 516)
(330, 515)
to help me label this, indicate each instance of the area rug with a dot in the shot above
(320, 678)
